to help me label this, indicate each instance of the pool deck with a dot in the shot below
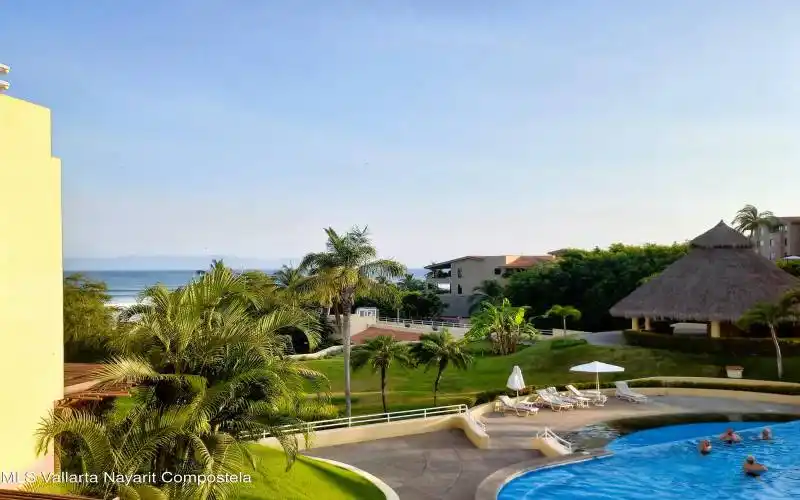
(445, 465)
(511, 431)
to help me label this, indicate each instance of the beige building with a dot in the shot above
(782, 242)
(461, 276)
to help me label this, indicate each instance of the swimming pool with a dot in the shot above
(663, 463)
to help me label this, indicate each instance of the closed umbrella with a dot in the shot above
(597, 368)
(515, 380)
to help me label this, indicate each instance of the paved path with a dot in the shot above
(440, 465)
(605, 338)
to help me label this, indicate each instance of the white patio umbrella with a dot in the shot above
(597, 368)
(515, 380)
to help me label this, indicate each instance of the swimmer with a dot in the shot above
(730, 437)
(766, 434)
(704, 447)
(753, 468)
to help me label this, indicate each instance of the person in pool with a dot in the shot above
(766, 434)
(730, 437)
(704, 447)
(753, 468)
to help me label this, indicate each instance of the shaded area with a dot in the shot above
(438, 465)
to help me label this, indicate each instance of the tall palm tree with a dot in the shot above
(411, 284)
(441, 350)
(488, 291)
(379, 354)
(749, 220)
(503, 325)
(348, 268)
(785, 310)
(563, 312)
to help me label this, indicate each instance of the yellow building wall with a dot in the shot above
(31, 315)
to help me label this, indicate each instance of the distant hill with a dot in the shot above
(171, 263)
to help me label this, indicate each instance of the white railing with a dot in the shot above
(377, 418)
(548, 434)
(424, 322)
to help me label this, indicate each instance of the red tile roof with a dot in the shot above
(372, 332)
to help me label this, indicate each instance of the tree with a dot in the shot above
(411, 284)
(347, 269)
(380, 353)
(563, 312)
(422, 305)
(488, 291)
(749, 220)
(785, 310)
(88, 321)
(441, 350)
(503, 325)
(590, 280)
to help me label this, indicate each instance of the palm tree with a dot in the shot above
(749, 220)
(488, 291)
(785, 310)
(441, 350)
(411, 284)
(563, 312)
(348, 268)
(380, 353)
(503, 325)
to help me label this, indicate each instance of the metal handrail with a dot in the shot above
(547, 433)
(453, 324)
(374, 418)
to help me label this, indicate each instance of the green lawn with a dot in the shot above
(306, 480)
(412, 388)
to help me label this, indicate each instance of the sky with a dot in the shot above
(198, 127)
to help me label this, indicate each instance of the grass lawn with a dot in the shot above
(541, 365)
(306, 480)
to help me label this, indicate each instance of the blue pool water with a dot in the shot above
(663, 463)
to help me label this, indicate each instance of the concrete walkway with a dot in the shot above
(435, 466)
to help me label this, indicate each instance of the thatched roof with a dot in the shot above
(718, 280)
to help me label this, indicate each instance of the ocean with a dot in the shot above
(125, 286)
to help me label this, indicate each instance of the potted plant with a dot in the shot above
(734, 371)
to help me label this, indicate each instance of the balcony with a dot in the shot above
(438, 276)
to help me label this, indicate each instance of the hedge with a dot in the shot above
(766, 387)
(737, 346)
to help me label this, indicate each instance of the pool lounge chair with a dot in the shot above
(578, 401)
(554, 402)
(625, 393)
(594, 396)
(507, 404)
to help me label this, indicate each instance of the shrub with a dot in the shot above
(564, 343)
(737, 346)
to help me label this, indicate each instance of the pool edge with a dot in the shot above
(490, 487)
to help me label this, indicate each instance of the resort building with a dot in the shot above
(780, 242)
(31, 312)
(715, 283)
(461, 276)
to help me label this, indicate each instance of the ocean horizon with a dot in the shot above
(124, 286)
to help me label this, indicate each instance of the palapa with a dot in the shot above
(718, 280)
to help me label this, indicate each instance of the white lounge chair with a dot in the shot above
(625, 393)
(554, 402)
(578, 401)
(507, 404)
(594, 396)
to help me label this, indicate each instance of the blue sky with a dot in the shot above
(243, 128)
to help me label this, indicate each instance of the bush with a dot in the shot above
(564, 343)
(736, 346)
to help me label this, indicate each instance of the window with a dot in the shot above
(497, 271)
(460, 274)
(460, 291)
(770, 242)
(786, 242)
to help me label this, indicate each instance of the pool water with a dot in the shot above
(663, 463)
